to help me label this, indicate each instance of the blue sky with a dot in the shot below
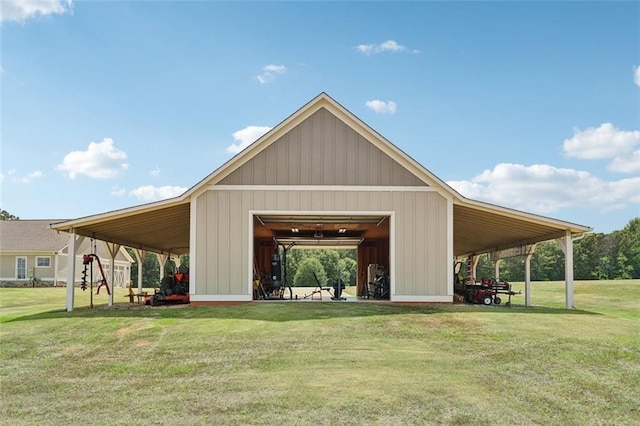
(529, 105)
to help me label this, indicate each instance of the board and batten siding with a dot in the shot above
(322, 150)
(223, 249)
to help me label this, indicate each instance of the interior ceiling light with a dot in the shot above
(295, 230)
(342, 230)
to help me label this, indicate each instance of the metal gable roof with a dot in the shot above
(164, 226)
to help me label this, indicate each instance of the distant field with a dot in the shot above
(323, 362)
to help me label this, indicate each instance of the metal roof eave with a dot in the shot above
(69, 225)
(521, 215)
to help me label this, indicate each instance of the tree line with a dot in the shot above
(597, 256)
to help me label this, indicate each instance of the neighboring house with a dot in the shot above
(31, 253)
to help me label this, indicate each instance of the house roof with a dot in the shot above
(30, 236)
(164, 226)
(36, 236)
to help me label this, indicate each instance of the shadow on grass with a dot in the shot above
(287, 311)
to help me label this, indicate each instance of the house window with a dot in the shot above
(43, 262)
(21, 268)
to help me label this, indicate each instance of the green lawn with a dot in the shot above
(323, 362)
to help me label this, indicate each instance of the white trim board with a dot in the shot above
(354, 188)
(392, 238)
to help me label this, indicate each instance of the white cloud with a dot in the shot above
(101, 161)
(636, 75)
(269, 73)
(21, 10)
(382, 107)
(279, 69)
(545, 189)
(153, 193)
(155, 172)
(29, 177)
(626, 163)
(246, 137)
(118, 191)
(387, 46)
(606, 142)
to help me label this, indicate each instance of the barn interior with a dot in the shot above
(368, 234)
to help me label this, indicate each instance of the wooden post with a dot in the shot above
(496, 273)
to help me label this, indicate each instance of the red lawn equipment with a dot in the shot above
(486, 292)
(174, 287)
(87, 260)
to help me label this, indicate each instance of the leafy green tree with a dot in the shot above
(629, 246)
(547, 263)
(304, 275)
(5, 215)
(329, 260)
(150, 270)
(586, 256)
(294, 257)
(484, 269)
(603, 270)
(623, 269)
(347, 267)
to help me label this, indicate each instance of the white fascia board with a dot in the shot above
(354, 188)
(126, 255)
(321, 212)
(26, 253)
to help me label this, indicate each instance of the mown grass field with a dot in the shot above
(323, 362)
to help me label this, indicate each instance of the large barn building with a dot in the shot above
(324, 177)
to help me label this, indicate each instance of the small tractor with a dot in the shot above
(174, 287)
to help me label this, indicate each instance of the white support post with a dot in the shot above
(527, 279)
(193, 241)
(476, 260)
(162, 258)
(113, 252)
(450, 277)
(566, 244)
(568, 270)
(114, 249)
(140, 255)
(496, 273)
(55, 270)
(74, 244)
